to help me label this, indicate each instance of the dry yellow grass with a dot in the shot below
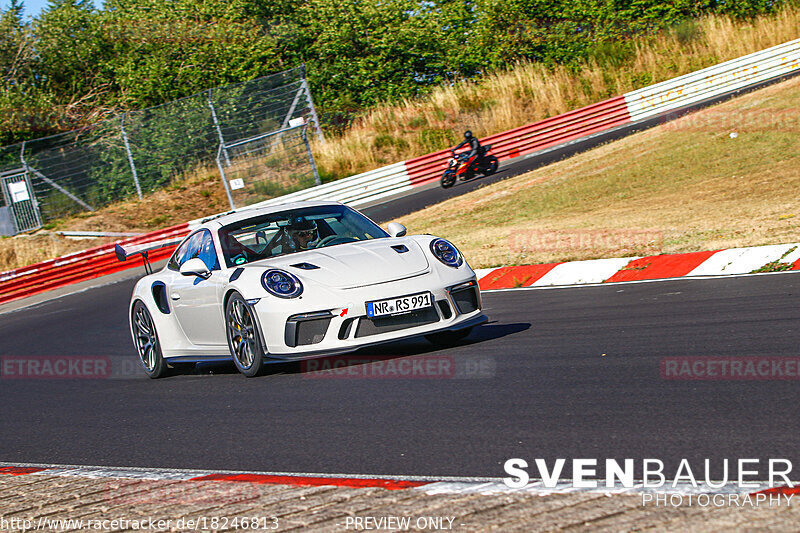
(529, 92)
(30, 249)
(193, 197)
(525, 93)
(687, 185)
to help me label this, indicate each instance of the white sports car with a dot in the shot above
(296, 281)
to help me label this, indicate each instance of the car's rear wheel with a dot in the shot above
(147, 345)
(244, 340)
(447, 338)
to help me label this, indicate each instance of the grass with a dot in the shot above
(684, 186)
(528, 92)
(568, 195)
(200, 193)
(777, 265)
(27, 250)
(195, 196)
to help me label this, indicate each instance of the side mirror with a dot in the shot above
(396, 229)
(195, 267)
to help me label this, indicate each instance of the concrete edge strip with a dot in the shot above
(428, 484)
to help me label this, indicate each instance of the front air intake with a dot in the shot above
(376, 326)
(466, 297)
(307, 328)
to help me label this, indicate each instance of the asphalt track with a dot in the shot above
(546, 389)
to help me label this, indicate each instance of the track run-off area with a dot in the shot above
(566, 372)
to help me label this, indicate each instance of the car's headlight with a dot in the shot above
(281, 284)
(446, 253)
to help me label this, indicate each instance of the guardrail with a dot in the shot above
(355, 190)
(525, 141)
(714, 81)
(80, 266)
(541, 135)
(399, 178)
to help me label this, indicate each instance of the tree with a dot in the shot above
(362, 53)
(71, 49)
(25, 110)
(16, 8)
(160, 51)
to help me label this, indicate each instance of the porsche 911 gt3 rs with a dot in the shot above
(296, 281)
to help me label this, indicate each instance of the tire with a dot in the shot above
(491, 165)
(148, 346)
(244, 340)
(448, 338)
(448, 179)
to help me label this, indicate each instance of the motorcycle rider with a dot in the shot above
(474, 146)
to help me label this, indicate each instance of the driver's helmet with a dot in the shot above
(468, 134)
(302, 231)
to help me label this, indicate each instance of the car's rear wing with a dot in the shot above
(125, 253)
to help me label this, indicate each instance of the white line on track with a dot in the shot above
(434, 485)
(129, 471)
(616, 283)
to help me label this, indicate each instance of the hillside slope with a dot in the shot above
(722, 177)
(528, 92)
(687, 180)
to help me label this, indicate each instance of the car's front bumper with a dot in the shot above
(308, 331)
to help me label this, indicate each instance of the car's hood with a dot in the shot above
(356, 264)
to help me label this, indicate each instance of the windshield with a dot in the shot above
(293, 231)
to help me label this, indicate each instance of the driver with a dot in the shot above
(303, 233)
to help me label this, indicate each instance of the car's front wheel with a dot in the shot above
(244, 341)
(147, 345)
(447, 338)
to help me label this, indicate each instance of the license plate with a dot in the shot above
(401, 304)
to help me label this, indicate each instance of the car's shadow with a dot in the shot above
(416, 347)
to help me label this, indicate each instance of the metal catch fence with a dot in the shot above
(139, 152)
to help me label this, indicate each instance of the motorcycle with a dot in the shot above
(458, 167)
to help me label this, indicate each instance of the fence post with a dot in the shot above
(224, 177)
(292, 107)
(288, 117)
(130, 156)
(50, 182)
(29, 184)
(219, 130)
(311, 106)
(310, 157)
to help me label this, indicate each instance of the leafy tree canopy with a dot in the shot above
(74, 62)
